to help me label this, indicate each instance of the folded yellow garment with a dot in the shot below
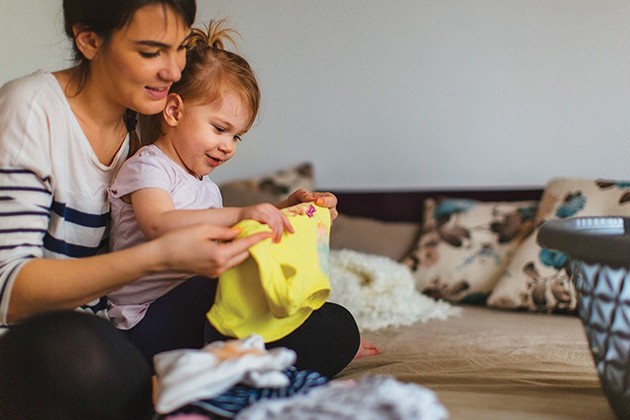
(276, 289)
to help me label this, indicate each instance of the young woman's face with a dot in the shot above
(143, 59)
(205, 135)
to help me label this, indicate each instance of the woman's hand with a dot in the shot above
(47, 284)
(324, 199)
(205, 249)
(271, 216)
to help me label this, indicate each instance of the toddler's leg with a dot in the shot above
(176, 320)
(326, 342)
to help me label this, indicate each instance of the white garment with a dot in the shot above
(371, 398)
(53, 189)
(190, 375)
(150, 168)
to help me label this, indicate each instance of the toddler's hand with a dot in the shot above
(271, 216)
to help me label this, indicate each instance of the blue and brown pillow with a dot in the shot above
(465, 245)
(536, 279)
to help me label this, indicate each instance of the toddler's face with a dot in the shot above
(207, 134)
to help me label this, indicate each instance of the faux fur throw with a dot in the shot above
(380, 292)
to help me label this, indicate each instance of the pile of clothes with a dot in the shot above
(240, 379)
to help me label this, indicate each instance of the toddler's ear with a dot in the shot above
(173, 110)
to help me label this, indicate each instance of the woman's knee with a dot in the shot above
(71, 365)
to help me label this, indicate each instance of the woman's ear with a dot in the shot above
(173, 110)
(88, 42)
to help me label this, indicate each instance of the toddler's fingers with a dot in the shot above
(286, 224)
(277, 233)
(279, 225)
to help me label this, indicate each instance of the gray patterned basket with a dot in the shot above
(599, 252)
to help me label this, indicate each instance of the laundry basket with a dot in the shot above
(599, 255)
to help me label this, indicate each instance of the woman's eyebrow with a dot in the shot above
(152, 43)
(148, 43)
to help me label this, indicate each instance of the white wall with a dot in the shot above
(411, 93)
(31, 37)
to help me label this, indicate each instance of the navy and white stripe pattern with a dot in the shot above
(24, 207)
(34, 225)
(66, 214)
(239, 397)
(53, 189)
(24, 218)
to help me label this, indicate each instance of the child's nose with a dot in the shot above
(227, 146)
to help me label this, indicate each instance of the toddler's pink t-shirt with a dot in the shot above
(150, 168)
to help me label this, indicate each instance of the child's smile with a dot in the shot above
(214, 161)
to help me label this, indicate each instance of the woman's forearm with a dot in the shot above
(55, 284)
(204, 249)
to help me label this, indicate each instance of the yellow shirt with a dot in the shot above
(275, 290)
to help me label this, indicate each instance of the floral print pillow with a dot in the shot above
(536, 278)
(465, 244)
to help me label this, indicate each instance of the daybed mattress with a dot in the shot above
(491, 364)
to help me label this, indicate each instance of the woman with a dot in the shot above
(63, 136)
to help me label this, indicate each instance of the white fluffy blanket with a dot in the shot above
(380, 292)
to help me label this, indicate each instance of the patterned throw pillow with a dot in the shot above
(465, 244)
(271, 187)
(536, 278)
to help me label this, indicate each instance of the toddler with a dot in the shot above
(165, 184)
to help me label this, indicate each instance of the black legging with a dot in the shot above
(326, 342)
(74, 366)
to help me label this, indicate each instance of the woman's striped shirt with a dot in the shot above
(53, 189)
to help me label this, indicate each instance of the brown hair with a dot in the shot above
(104, 17)
(211, 71)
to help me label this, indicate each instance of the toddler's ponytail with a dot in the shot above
(210, 70)
(215, 36)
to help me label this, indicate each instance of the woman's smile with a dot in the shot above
(157, 93)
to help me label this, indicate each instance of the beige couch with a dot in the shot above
(525, 356)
